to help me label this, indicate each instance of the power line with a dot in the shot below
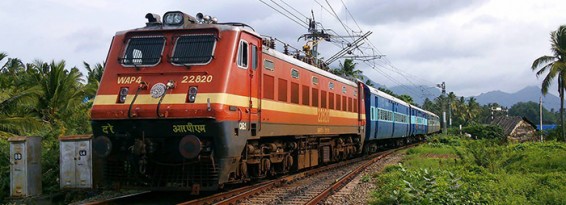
(351, 16)
(294, 9)
(299, 19)
(300, 24)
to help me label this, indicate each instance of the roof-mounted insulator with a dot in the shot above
(152, 19)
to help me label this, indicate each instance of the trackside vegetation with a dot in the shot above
(450, 169)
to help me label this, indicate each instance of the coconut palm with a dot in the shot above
(555, 65)
(94, 76)
(16, 102)
(348, 70)
(62, 90)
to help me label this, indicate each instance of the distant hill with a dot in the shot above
(529, 93)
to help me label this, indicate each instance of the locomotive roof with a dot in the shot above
(307, 66)
(220, 26)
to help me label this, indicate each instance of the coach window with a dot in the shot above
(243, 54)
(306, 95)
(254, 57)
(143, 51)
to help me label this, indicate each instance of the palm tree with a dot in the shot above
(556, 66)
(94, 76)
(62, 90)
(348, 70)
(16, 102)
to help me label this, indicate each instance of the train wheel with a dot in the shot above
(265, 166)
(287, 163)
(244, 170)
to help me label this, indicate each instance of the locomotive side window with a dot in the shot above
(243, 55)
(267, 64)
(193, 50)
(254, 57)
(143, 51)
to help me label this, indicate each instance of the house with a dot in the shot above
(517, 129)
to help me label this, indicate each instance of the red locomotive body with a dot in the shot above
(191, 104)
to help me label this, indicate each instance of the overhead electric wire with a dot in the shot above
(299, 19)
(351, 16)
(338, 18)
(294, 9)
(300, 24)
(383, 62)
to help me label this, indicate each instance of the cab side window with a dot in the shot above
(243, 54)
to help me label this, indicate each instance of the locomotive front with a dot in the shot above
(159, 118)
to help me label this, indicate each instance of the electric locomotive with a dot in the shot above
(188, 103)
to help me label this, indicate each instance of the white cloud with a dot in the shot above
(475, 46)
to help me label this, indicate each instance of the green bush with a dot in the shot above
(488, 172)
(4, 169)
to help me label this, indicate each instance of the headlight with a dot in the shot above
(123, 94)
(102, 146)
(173, 18)
(192, 94)
(158, 90)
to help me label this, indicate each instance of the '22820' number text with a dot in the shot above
(197, 79)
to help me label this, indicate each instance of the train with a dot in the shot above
(188, 103)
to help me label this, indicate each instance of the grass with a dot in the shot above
(454, 170)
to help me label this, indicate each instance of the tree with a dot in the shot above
(94, 76)
(406, 98)
(531, 111)
(348, 70)
(63, 93)
(556, 67)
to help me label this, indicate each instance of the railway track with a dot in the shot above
(309, 187)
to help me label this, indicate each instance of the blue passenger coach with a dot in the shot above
(387, 118)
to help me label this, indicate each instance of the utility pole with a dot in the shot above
(540, 115)
(443, 87)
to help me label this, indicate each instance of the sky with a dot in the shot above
(474, 46)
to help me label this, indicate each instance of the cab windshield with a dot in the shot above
(194, 49)
(143, 51)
